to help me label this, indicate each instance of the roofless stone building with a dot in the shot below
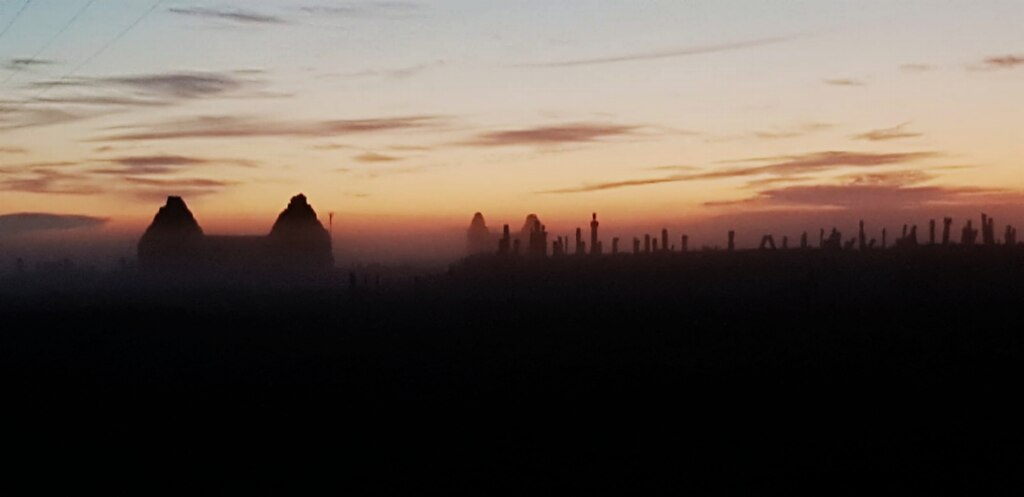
(176, 242)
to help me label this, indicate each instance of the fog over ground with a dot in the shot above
(87, 241)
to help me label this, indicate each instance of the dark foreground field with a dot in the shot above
(839, 373)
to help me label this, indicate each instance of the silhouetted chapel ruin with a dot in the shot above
(296, 242)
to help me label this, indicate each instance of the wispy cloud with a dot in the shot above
(20, 117)
(862, 196)
(13, 150)
(844, 82)
(375, 157)
(47, 179)
(32, 222)
(777, 133)
(1004, 62)
(176, 85)
(665, 54)
(251, 127)
(236, 15)
(85, 98)
(552, 135)
(179, 85)
(673, 168)
(894, 133)
(798, 131)
(154, 188)
(20, 64)
(784, 166)
(396, 73)
(917, 67)
(363, 9)
(162, 164)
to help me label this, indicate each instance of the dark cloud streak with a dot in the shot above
(551, 135)
(1004, 62)
(894, 133)
(785, 166)
(666, 54)
(238, 127)
(242, 16)
(31, 222)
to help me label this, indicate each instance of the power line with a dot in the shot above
(54, 38)
(92, 57)
(103, 48)
(15, 18)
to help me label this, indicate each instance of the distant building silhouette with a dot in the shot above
(505, 243)
(834, 240)
(538, 246)
(478, 237)
(988, 230)
(968, 235)
(530, 224)
(909, 239)
(175, 242)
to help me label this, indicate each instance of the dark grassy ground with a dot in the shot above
(841, 373)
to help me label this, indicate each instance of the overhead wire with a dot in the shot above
(14, 19)
(74, 70)
(106, 46)
(52, 39)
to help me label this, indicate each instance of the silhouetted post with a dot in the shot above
(594, 247)
(732, 240)
(505, 242)
(538, 241)
(904, 234)
(1010, 237)
(647, 243)
(988, 230)
(654, 245)
(580, 249)
(834, 241)
(636, 245)
(909, 239)
(821, 238)
(931, 232)
(685, 243)
(803, 240)
(968, 235)
(615, 245)
(883, 238)
(862, 239)
(947, 223)
(664, 239)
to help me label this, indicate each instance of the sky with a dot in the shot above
(405, 118)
